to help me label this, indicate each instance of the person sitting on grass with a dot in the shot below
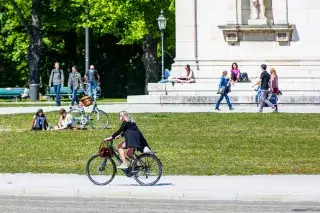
(39, 121)
(133, 138)
(65, 120)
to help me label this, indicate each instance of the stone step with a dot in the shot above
(233, 93)
(254, 79)
(203, 87)
(210, 99)
(213, 71)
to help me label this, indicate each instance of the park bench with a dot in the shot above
(12, 92)
(64, 91)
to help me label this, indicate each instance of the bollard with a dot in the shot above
(34, 92)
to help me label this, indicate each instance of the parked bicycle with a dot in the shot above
(94, 118)
(101, 167)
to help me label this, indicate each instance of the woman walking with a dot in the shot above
(224, 89)
(274, 84)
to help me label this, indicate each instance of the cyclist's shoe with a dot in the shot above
(123, 166)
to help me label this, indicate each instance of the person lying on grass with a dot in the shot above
(133, 138)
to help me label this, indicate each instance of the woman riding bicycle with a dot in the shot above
(133, 138)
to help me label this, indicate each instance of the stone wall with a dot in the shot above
(298, 58)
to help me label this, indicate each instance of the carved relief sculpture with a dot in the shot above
(258, 9)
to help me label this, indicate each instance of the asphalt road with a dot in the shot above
(19, 204)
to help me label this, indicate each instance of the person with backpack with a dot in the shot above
(92, 78)
(57, 79)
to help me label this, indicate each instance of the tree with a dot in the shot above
(34, 33)
(133, 22)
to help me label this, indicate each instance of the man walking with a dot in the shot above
(92, 78)
(74, 82)
(57, 78)
(265, 87)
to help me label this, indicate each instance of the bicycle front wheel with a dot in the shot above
(99, 119)
(100, 171)
(147, 169)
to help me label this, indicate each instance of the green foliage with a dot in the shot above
(63, 23)
(130, 20)
(186, 143)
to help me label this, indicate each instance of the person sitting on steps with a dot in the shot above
(186, 77)
(134, 139)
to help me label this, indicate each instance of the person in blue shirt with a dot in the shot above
(258, 95)
(166, 76)
(224, 89)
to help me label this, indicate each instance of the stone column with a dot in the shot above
(232, 12)
(185, 29)
(280, 10)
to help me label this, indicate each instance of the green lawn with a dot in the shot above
(64, 102)
(187, 143)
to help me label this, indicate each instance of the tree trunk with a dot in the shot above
(34, 51)
(34, 33)
(149, 60)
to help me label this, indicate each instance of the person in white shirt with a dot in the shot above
(186, 77)
(65, 120)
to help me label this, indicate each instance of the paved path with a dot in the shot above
(21, 204)
(241, 188)
(149, 108)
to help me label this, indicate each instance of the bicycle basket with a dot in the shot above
(86, 101)
(105, 152)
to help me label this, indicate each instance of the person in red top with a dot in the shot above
(274, 84)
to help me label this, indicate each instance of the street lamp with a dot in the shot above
(162, 23)
(87, 38)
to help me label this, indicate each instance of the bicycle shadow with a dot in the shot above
(158, 184)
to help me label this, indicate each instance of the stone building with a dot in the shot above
(212, 34)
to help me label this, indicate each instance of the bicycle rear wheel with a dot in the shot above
(147, 169)
(100, 171)
(99, 119)
(78, 116)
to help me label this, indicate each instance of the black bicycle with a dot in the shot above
(145, 168)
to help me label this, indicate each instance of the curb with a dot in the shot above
(154, 194)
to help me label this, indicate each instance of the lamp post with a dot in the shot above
(162, 23)
(87, 39)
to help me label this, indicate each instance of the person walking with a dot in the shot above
(57, 79)
(265, 83)
(92, 78)
(74, 82)
(224, 89)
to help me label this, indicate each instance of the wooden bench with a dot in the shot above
(64, 91)
(12, 92)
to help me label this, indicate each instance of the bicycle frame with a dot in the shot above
(128, 172)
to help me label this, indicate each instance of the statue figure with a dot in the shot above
(258, 9)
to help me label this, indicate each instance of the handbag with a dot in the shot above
(221, 90)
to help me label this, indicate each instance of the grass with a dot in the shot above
(64, 102)
(186, 143)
